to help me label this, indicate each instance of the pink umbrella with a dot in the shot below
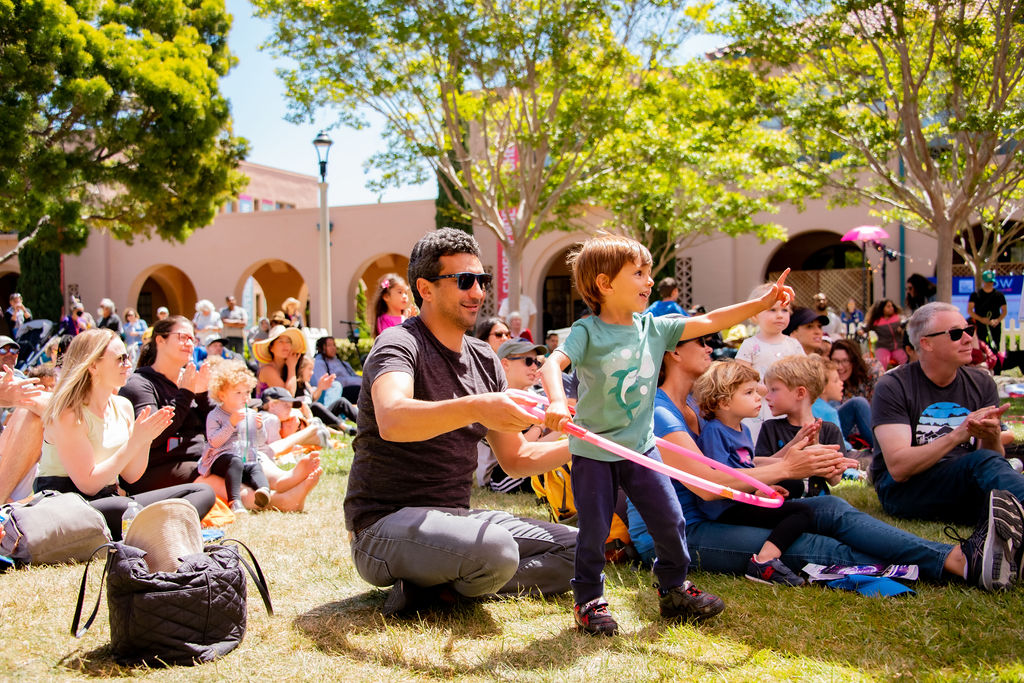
(865, 233)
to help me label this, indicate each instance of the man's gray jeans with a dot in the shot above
(478, 552)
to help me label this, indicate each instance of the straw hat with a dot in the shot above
(167, 531)
(261, 349)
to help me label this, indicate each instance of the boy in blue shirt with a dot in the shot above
(616, 354)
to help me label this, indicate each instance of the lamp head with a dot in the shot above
(322, 142)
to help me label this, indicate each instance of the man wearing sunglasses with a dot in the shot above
(938, 448)
(430, 392)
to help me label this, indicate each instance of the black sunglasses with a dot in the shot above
(955, 333)
(465, 281)
(530, 361)
(703, 341)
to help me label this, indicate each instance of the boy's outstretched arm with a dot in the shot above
(557, 413)
(727, 316)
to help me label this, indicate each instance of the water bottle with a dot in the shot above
(128, 517)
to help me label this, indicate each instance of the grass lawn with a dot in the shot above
(327, 625)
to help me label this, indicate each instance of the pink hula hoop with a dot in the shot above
(771, 499)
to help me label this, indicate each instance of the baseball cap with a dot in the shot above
(518, 346)
(7, 341)
(280, 394)
(804, 316)
(988, 276)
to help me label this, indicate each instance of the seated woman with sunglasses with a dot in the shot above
(92, 437)
(494, 331)
(842, 534)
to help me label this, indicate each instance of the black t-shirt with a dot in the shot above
(777, 432)
(387, 476)
(988, 304)
(185, 438)
(906, 396)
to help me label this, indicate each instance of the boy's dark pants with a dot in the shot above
(595, 484)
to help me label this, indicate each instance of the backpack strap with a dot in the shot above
(75, 631)
(254, 571)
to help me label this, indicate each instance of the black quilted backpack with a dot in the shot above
(189, 616)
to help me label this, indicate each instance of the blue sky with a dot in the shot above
(258, 107)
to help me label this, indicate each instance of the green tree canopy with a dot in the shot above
(111, 118)
(690, 164)
(506, 101)
(914, 107)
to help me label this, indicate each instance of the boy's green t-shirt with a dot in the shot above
(617, 366)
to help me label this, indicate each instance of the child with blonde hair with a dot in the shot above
(793, 385)
(390, 303)
(727, 393)
(235, 434)
(616, 354)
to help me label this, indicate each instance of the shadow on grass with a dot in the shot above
(350, 628)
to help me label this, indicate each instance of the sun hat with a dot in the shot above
(261, 349)
(166, 531)
(515, 347)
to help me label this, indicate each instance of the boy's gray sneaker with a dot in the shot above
(772, 571)
(689, 603)
(594, 618)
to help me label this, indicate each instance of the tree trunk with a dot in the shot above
(944, 261)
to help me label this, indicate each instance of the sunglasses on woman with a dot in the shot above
(464, 281)
(530, 361)
(703, 341)
(955, 333)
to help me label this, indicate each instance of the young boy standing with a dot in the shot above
(616, 353)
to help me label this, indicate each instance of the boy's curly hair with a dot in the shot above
(800, 371)
(226, 373)
(719, 383)
(603, 253)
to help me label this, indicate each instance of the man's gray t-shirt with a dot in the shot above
(387, 476)
(906, 396)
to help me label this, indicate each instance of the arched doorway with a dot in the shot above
(822, 262)
(561, 303)
(168, 286)
(274, 281)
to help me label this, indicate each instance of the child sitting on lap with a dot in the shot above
(728, 392)
(616, 353)
(235, 435)
(794, 383)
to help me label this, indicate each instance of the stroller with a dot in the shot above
(32, 337)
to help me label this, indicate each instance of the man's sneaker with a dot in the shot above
(989, 550)
(688, 602)
(595, 619)
(1010, 508)
(772, 571)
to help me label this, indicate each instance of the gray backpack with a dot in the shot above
(52, 528)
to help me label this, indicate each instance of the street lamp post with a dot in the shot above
(323, 143)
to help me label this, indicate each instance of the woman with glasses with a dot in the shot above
(858, 386)
(842, 534)
(167, 377)
(494, 331)
(92, 437)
